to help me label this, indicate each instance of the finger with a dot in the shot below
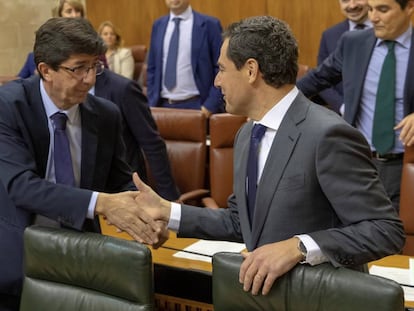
(258, 281)
(244, 266)
(268, 283)
(141, 186)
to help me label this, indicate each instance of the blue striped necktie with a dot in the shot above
(62, 158)
(257, 134)
(170, 79)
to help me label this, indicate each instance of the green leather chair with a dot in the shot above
(68, 270)
(305, 288)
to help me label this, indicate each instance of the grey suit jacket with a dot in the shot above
(303, 190)
(349, 64)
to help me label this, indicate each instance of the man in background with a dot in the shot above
(182, 60)
(356, 13)
(140, 132)
(378, 100)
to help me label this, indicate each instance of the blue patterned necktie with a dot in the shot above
(170, 79)
(252, 163)
(62, 158)
(383, 127)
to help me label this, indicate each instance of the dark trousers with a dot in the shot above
(390, 174)
(9, 303)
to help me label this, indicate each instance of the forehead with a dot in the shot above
(376, 3)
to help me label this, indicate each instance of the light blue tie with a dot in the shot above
(170, 79)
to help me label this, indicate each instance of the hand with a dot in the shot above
(407, 130)
(264, 265)
(157, 207)
(164, 234)
(121, 210)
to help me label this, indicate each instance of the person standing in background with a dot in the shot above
(356, 13)
(182, 60)
(379, 103)
(63, 8)
(119, 59)
(139, 132)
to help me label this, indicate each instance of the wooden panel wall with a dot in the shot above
(306, 18)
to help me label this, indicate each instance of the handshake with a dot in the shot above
(143, 214)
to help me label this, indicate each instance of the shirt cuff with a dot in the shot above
(92, 205)
(314, 254)
(175, 216)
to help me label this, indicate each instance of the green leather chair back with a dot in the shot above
(305, 288)
(68, 270)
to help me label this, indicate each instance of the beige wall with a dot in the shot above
(19, 19)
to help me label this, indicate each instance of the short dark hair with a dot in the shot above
(402, 3)
(61, 37)
(270, 42)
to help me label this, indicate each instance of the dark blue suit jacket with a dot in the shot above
(28, 68)
(205, 50)
(332, 96)
(349, 64)
(140, 132)
(24, 148)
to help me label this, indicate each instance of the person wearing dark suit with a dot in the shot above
(199, 47)
(29, 67)
(308, 209)
(356, 13)
(357, 62)
(140, 132)
(29, 190)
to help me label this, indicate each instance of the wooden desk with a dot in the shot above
(164, 259)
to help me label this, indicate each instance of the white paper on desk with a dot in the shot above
(203, 250)
(399, 275)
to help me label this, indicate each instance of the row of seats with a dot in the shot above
(68, 270)
(204, 174)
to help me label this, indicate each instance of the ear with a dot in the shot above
(45, 71)
(252, 68)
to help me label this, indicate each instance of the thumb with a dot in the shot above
(141, 186)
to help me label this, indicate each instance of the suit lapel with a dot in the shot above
(32, 112)
(409, 80)
(282, 148)
(197, 39)
(89, 141)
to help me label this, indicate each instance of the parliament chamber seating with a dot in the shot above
(407, 200)
(139, 53)
(310, 288)
(185, 133)
(223, 129)
(67, 270)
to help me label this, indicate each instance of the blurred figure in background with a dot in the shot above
(119, 59)
(356, 13)
(63, 8)
(187, 80)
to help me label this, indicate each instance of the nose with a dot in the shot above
(373, 16)
(217, 80)
(90, 77)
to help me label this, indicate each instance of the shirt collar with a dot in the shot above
(404, 40)
(185, 15)
(352, 24)
(273, 118)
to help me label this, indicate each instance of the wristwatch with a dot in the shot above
(303, 251)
